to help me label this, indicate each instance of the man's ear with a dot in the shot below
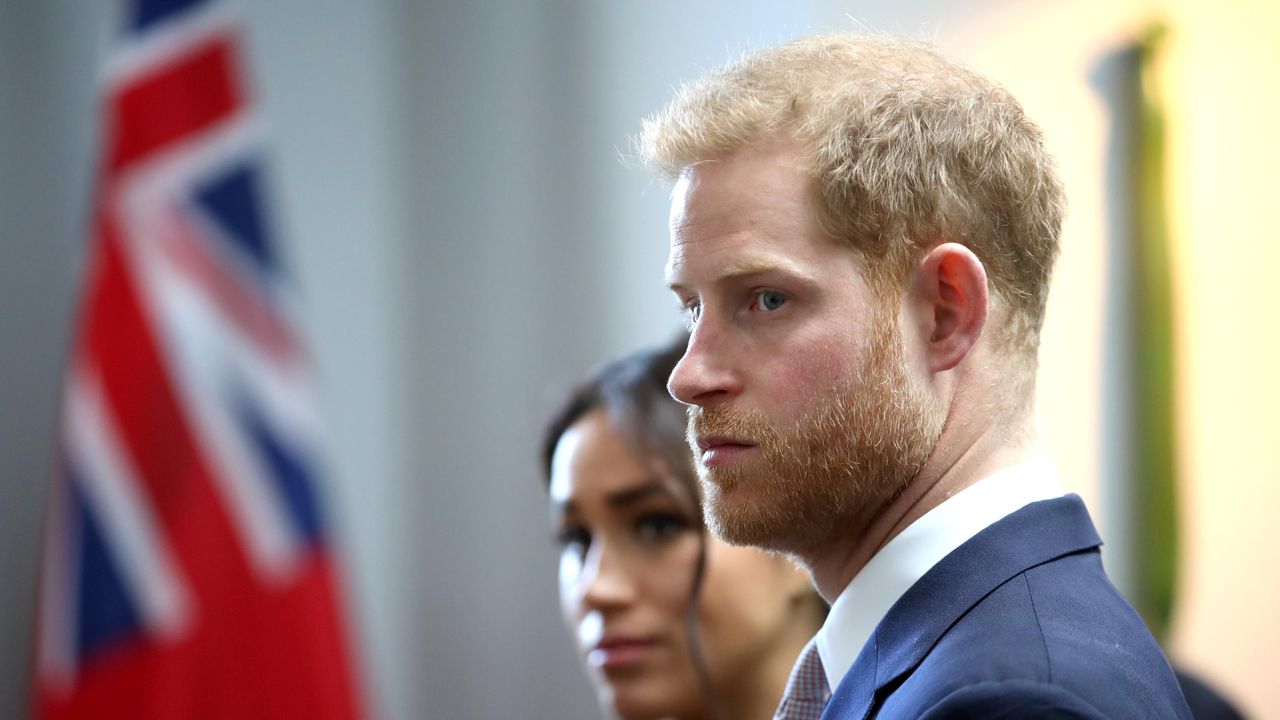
(951, 291)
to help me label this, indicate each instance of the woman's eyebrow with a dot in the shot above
(633, 495)
(625, 497)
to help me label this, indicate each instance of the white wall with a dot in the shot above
(47, 91)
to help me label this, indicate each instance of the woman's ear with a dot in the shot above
(949, 291)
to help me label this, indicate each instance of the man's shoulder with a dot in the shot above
(1021, 613)
(1056, 640)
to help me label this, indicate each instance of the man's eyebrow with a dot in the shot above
(750, 267)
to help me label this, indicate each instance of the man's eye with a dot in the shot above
(693, 311)
(770, 300)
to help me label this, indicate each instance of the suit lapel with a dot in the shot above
(852, 699)
(1036, 534)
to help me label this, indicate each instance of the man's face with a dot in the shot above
(805, 416)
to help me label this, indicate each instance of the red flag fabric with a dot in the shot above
(186, 571)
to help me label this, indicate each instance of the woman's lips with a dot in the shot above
(720, 451)
(615, 654)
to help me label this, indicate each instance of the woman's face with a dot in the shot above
(629, 542)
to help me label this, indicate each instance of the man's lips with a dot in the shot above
(716, 450)
(620, 652)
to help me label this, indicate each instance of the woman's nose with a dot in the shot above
(609, 583)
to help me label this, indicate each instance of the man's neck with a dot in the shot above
(958, 461)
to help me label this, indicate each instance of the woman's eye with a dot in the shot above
(659, 527)
(770, 300)
(574, 540)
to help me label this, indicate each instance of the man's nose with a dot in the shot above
(705, 374)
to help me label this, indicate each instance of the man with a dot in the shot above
(862, 234)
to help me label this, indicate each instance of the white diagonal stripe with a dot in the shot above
(113, 491)
(136, 54)
(193, 338)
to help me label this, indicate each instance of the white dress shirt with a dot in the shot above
(909, 555)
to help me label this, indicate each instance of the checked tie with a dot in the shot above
(807, 692)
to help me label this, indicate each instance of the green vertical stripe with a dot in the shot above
(1156, 523)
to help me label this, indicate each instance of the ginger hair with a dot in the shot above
(907, 150)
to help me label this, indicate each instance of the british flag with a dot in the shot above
(185, 572)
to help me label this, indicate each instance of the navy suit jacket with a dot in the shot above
(1019, 621)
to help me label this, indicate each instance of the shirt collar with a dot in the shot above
(909, 555)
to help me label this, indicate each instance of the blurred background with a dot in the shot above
(447, 187)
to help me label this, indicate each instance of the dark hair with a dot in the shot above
(633, 393)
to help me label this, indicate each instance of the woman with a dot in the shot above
(671, 623)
